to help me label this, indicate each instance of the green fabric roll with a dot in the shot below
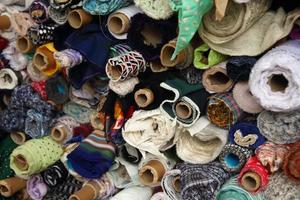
(231, 190)
(39, 154)
(205, 57)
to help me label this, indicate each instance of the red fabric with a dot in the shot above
(291, 165)
(83, 130)
(254, 165)
(3, 43)
(40, 88)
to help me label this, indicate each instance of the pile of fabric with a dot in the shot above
(149, 100)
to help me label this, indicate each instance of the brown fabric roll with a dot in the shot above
(152, 172)
(4, 22)
(18, 137)
(8, 187)
(78, 18)
(24, 45)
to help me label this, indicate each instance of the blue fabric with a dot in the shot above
(232, 160)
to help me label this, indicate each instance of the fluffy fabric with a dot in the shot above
(17, 60)
(291, 164)
(80, 113)
(274, 79)
(239, 67)
(155, 9)
(124, 87)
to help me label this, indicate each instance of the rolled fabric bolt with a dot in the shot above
(78, 18)
(144, 97)
(118, 23)
(291, 165)
(250, 181)
(221, 6)
(24, 45)
(216, 80)
(152, 172)
(4, 22)
(43, 60)
(176, 184)
(183, 110)
(156, 66)
(59, 133)
(18, 137)
(88, 192)
(10, 186)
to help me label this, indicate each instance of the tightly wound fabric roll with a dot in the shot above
(38, 11)
(272, 155)
(231, 190)
(239, 67)
(222, 110)
(291, 165)
(244, 98)
(201, 143)
(216, 80)
(62, 131)
(35, 156)
(201, 181)
(10, 186)
(104, 7)
(55, 175)
(246, 134)
(41, 34)
(134, 193)
(254, 176)
(280, 128)
(171, 184)
(149, 131)
(274, 79)
(155, 9)
(234, 157)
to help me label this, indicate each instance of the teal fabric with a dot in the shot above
(104, 7)
(190, 13)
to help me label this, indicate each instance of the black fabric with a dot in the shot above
(55, 175)
(239, 67)
(57, 89)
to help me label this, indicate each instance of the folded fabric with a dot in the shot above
(35, 156)
(170, 184)
(38, 11)
(55, 175)
(93, 157)
(155, 9)
(222, 110)
(36, 187)
(216, 80)
(272, 155)
(149, 131)
(280, 128)
(147, 35)
(244, 98)
(104, 7)
(57, 89)
(3, 43)
(274, 81)
(60, 35)
(231, 189)
(234, 157)
(201, 181)
(291, 163)
(246, 134)
(134, 193)
(204, 57)
(239, 67)
(200, 143)
(21, 22)
(190, 15)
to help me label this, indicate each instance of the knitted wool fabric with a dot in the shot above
(190, 13)
(167, 184)
(149, 131)
(246, 134)
(93, 157)
(200, 143)
(253, 165)
(222, 110)
(280, 128)
(239, 67)
(36, 187)
(291, 164)
(147, 35)
(57, 89)
(204, 57)
(155, 9)
(6, 148)
(125, 87)
(244, 98)
(272, 155)
(38, 11)
(274, 81)
(234, 157)
(55, 175)
(104, 7)
(201, 181)
(231, 189)
(17, 60)
(39, 155)
(68, 57)
(80, 113)
(134, 193)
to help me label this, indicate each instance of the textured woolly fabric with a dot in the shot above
(149, 131)
(244, 98)
(55, 175)
(80, 113)
(280, 128)
(231, 189)
(36, 188)
(201, 181)
(7, 146)
(192, 75)
(280, 187)
(246, 134)
(239, 67)
(155, 9)
(292, 162)
(68, 57)
(17, 60)
(40, 88)
(57, 89)
(104, 7)
(274, 80)
(143, 28)
(167, 184)
(200, 143)
(272, 155)
(234, 157)
(134, 193)
(125, 87)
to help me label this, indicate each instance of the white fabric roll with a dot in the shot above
(134, 193)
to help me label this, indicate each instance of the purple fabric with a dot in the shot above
(36, 187)
(295, 33)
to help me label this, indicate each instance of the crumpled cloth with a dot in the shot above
(291, 164)
(149, 131)
(36, 187)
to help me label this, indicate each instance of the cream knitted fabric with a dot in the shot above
(275, 78)
(156, 9)
(150, 131)
(123, 87)
(201, 143)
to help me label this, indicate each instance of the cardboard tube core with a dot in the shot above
(59, 133)
(218, 78)
(156, 66)
(78, 18)
(24, 45)
(21, 162)
(143, 97)
(115, 71)
(18, 137)
(152, 172)
(176, 184)
(183, 110)
(4, 22)
(251, 181)
(8, 187)
(40, 61)
(278, 83)
(87, 192)
(118, 23)
(166, 55)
